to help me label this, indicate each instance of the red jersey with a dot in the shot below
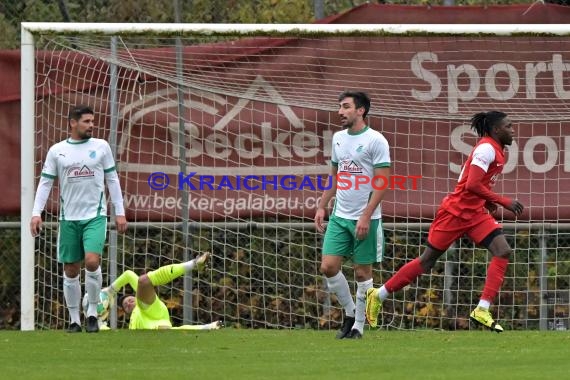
(487, 154)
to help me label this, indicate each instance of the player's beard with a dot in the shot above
(84, 135)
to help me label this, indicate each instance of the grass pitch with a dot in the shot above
(278, 354)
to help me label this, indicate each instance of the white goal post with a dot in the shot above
(206, 103)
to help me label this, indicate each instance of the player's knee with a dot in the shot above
(428, 264)
(429, 258)
(504, 252)
(92, 262)
(91, 266)
(71, 270)
(328, 270)
(144, 281)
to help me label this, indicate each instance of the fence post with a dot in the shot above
(543, 299)
(450, 267)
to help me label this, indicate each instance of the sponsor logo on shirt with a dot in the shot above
(349, 167)
(79, 173)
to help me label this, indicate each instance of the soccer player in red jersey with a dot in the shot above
(466, 211)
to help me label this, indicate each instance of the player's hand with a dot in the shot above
(492, 207)
(515, 207)
(36, 225)
(362, 227)
(110, 293)
(320, 219)
(121, 222)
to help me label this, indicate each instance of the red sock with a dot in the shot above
(495, 277)
(404, 276)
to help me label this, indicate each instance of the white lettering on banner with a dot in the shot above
(215, 142)
(267, 144)
(227, 206)
(544, 144)
(455, 95)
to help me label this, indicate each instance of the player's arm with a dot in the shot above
(483, 155)
(325, 199)
(209, 326)
(475, 185)
(42, 194)
(128, 277)
(381, 174)
(492, 207)
(114, 187)
(49, 173)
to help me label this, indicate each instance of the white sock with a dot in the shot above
(93, 283)
(360, 314)
(72, 295)
(189, 265)
(338, 285)
(484, 304)
(383, 293)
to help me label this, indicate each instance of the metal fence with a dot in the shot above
(266, 275)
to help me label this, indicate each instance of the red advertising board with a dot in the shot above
(267, 154)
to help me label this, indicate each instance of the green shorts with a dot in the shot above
(340, 240)
(151, 317)
(75, 237)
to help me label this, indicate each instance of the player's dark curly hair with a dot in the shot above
(121, 299)
(482, 122)
(361, 99)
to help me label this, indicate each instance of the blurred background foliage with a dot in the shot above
(12, 12)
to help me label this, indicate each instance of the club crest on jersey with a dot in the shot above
(92, 154)
(360, 148)
(349, 166)
(77, 173)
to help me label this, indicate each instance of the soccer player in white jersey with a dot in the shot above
(354, 231)
(83, 164)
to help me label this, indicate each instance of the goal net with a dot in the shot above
(222, 137)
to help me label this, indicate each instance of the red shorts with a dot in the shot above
(447, 228)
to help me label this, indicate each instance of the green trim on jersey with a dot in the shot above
(61, 210)
(77, 142)
(100, 204)
(359, 132)
(334, 163)
(45, 175)
(382, 165)
(109, 170)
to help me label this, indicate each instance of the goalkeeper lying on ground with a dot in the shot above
(146, 310)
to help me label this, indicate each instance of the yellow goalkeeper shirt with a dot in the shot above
(153, 317)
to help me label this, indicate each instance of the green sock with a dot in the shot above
(166, 274)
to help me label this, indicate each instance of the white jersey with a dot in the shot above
(357, 155)
(80, 167)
